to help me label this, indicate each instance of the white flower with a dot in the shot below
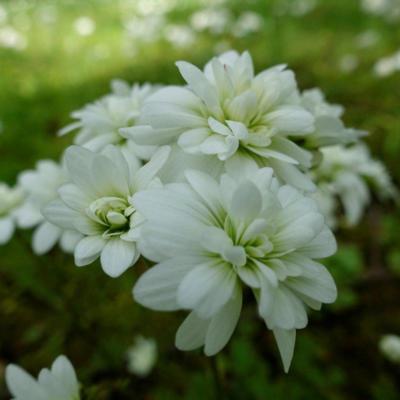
(329, 128)
(215, 20)
(390, 347)
(10, 200)
(84, 26)
(387, 65)
(230, 113)
(59, 382)
(211, 240)
(11, 38)
(99, 122)
(98, 204)
(40, 186)
(180, 35)
(345, 174)
(142, 356)
(248, 22)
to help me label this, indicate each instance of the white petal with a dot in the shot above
(107, 179)
(88, 250)
(145, 174)
(223, 324)
(292, 175)
(324, 245)
(45, 237)
(74, 197)
(78, 162)
(63, 369)
(246, 202)
(22, 385)
(7, 228)
(291, 119)
(157, 288)
(207, 288)
(59, 214)
(192, 332)
(200, 85)
(69, 240)
(207, 188)
(117, 256)
(285, 340)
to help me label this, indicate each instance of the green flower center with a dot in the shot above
(113, 213)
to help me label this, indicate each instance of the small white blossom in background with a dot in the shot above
(10, 200)
(299, 8)
(328, 126)
(97, 203)
(40, 186)
(12, 39)
(180, 36)
(59, 382)
(388, 9)
(214, 20)
(142, 356)
(212, 239)
(151, 7)
(387, 65)
(99, 123)
(348, 63)
(367, 38)
(146, 29)
(84, 26)
(390, 347)
(345, 175)
(234, 115)
(247, 23)
(296, 8)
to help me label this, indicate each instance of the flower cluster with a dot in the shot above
(212, 182)
(41, 187)
(344, 178)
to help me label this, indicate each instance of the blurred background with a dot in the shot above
(55, 56)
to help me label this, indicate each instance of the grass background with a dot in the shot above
(49, 307)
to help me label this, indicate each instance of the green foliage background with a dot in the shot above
(49, 307)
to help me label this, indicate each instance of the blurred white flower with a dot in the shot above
(99, 123)
(142, 356)
(229, 112)
(98, 204)
(387, 65)
(248, 22)
(348, 63)
(345, 175)
(48, 14)
(10, 200)
(151, 7)
(59, 382)
(40, 186)
(180, 35)
(328, 126)
(146, 29)
(367, 38)
(214, 20)
(212, 239)
(390, 347)
(11, 38)
(389, 9)
(84, 26)
(299, 8)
